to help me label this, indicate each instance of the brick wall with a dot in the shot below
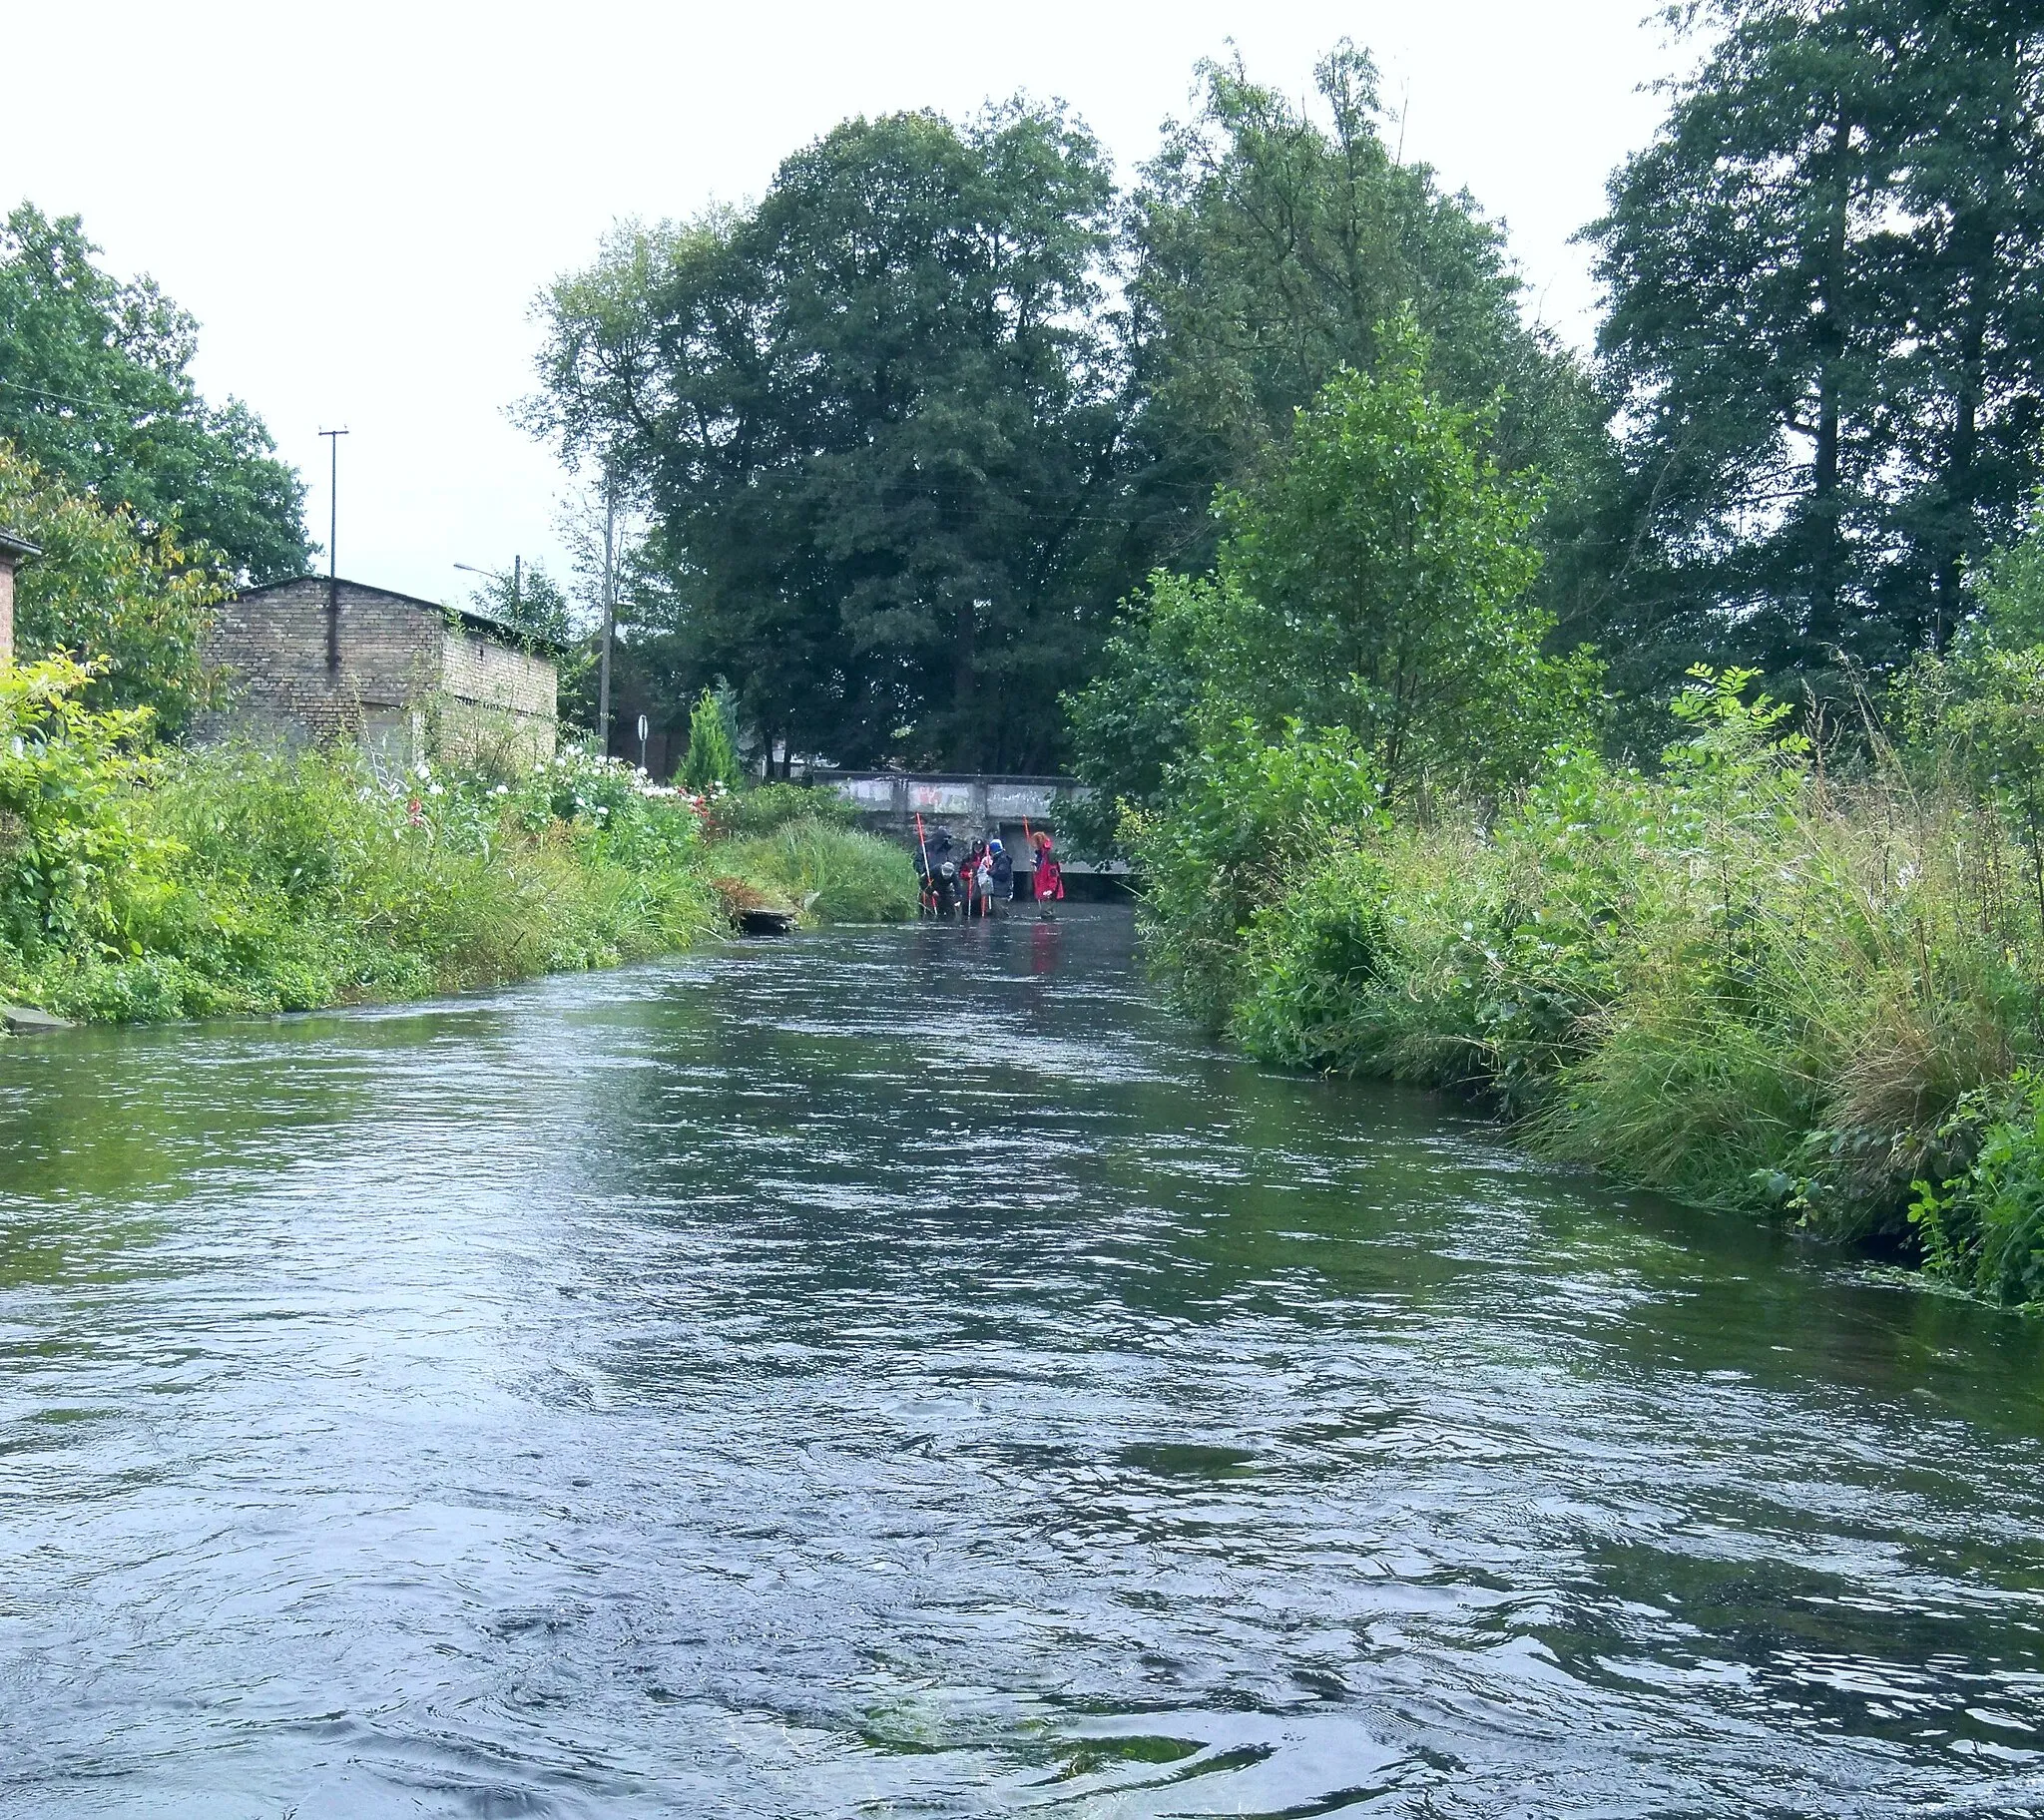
(6, 608)
(273, 643)
(491, 693)
(405, 676)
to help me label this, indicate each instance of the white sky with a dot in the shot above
(360, 202)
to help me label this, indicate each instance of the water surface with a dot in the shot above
(906, 1373)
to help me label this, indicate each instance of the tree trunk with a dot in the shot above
(1960, 481)
(1829, 341)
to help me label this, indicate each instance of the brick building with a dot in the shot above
(310, 660)
(13, 552)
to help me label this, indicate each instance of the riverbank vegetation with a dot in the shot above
(144, 881)
(1791, 962)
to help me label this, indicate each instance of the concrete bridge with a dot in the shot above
(972, 806)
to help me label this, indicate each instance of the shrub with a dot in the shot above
(1984, 1227)
(1743, 979)
(254, 881)
(71, 867)
(768, 806)
(1245, 819)
(134, 607)
(829, 874)
(712, 763)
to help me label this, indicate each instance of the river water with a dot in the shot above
(904, 1372)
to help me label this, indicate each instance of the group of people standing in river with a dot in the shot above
(980, 881)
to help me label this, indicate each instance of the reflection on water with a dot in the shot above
(904, 1372)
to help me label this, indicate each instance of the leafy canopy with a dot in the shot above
(96, 386)
(134, 607)
(1825, 331)
(1373, 581)
(869, 418)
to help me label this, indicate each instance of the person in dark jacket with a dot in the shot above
(943, 872)
(1003, 877)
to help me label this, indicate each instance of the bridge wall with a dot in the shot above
(972, 807)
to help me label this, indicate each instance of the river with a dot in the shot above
(906, 1372)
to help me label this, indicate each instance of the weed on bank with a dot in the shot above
(144, 882)
(1743, 979)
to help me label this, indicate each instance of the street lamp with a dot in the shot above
(497, 574)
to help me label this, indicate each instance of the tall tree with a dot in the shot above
(876, 421)
(136, 607)
(96, 387)
(1373, 582)
(1824, 327)
(1269, 247)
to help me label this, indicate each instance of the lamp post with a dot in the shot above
(497, 574)
(610, 615)
(334, 547)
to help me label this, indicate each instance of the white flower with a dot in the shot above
(502, 789)
(422, 770)
(433, 790)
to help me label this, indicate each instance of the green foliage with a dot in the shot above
(873, 420)
(190, 883)
(98, 389)
(1820, 332)
(1984, 1228)
(1373, 581)
(1245, 817)
(70, 862)
(831, 874)
(711, 764)
(1741, 979)
(768, 807)
(1269, 249)
(134, 607)
(1378, 576)
(1145, 708)
(1316, 964)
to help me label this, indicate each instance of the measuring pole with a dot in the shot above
(334, 547)
(610, 613)
(929, 885)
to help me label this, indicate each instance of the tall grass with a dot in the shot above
(251, 881)
(831, 874)
(1745, 980)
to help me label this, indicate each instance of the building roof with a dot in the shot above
(486, 623)
(11, 545)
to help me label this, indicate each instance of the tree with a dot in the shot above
(712, 762)
(873, 420)
(1374, 582)
(96, 386)
(135, 607)
(1824, 328)
(1268, 249)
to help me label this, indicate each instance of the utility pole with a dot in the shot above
(332, 548)
(517, 589)
(610, 611)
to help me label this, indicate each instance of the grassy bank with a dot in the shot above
(1742, 979)
(138, 882)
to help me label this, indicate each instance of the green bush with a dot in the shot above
(1742, 979)
(133, 603)
(712, 763)
(216, 881)
(1984, 1227)
(768, 806)
(831, 874)
(1247, 818)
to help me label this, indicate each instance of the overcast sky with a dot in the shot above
(358, 203)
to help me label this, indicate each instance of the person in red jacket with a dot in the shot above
(1050, 880)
